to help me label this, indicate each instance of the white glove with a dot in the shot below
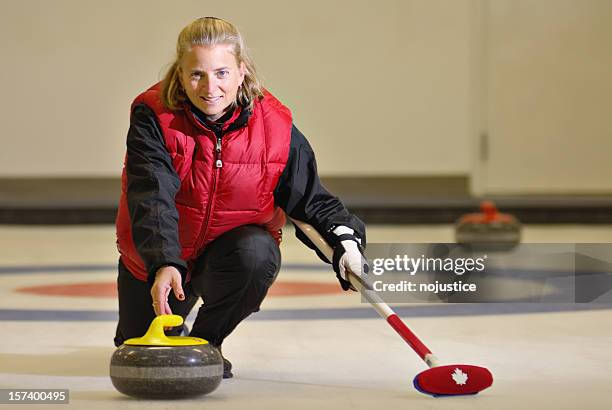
(347, 256)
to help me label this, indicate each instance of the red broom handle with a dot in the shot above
(410, 338)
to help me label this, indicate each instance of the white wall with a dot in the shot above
(388, 87)
(378, 87)
(548, 71)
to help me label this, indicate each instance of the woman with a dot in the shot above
(213, 162)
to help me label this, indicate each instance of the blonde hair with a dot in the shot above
(210, 31)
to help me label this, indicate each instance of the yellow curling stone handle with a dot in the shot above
(155, 336)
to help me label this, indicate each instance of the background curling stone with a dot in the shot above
(488, 229)
(156, 366)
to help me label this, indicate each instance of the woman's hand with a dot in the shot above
(167, 278)
(348, 257)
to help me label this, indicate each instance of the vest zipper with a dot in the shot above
(219, 162)
(217, 170)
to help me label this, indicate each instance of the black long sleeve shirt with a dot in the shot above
(153, 184)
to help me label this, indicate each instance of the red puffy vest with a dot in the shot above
(214, 196)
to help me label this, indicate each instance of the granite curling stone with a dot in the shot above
(488, 229)
(157, 366)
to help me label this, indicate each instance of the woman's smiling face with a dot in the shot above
(211, 77)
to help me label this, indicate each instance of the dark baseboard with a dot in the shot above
(46, 216)
(529, 213)
(376, 200)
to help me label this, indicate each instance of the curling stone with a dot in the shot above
(488, 229)
(157, 366)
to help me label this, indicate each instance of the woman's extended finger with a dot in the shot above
(156, 308)
(167, 309)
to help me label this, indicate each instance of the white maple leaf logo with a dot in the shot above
(459, 377)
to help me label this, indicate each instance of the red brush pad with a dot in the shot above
(454, 379)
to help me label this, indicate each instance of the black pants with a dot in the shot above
(232, 276)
